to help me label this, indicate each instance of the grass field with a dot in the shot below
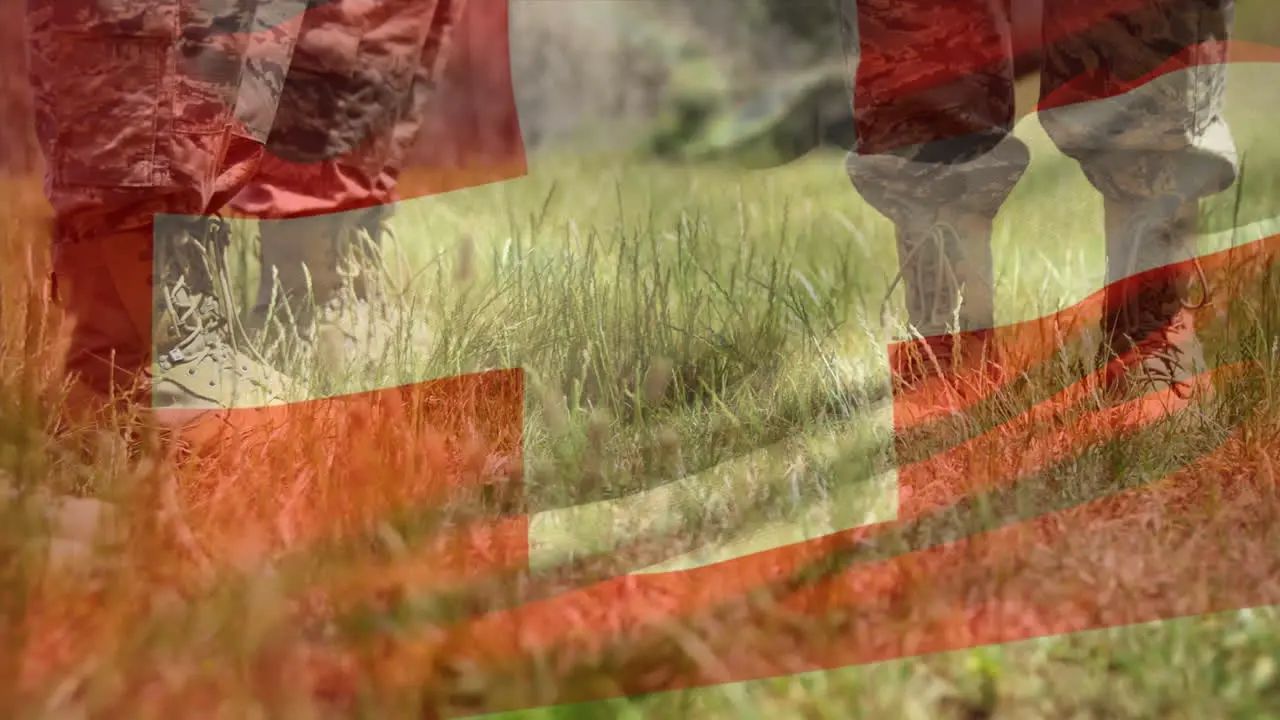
(755, 300)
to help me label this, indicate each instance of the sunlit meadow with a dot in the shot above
(704, 359)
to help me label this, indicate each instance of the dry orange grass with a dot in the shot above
(322, 479)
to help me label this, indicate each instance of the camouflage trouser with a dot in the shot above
(162, 106)
(339, 139)
(934, 100)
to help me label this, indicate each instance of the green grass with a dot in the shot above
(1210, 666)
(752, 302)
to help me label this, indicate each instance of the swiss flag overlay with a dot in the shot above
(934, 579)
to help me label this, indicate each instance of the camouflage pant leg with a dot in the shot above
(133, 103)
(427, 73)
(268, 56)
(933, 105)
(1166, 137)
(351, 106)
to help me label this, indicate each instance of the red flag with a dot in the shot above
(739, 619)
(861, 581)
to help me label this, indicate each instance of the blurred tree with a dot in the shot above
(810, 23)
(783, 91)
(697, 88)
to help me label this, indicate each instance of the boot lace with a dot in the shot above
(943, 275)
(934, 354)
(1149, 317)
(196, 292)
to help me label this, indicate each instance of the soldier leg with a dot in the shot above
(1153, 150)
(325, 191)
(134, 118)
(937, 158)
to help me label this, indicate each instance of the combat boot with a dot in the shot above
(945, 266)
(153, 328)
(1149, 339)
(325, 295)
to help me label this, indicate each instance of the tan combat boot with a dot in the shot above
(946, 271)
(950, 361)
(324, 295)
(153, 328)
(1150, 343)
